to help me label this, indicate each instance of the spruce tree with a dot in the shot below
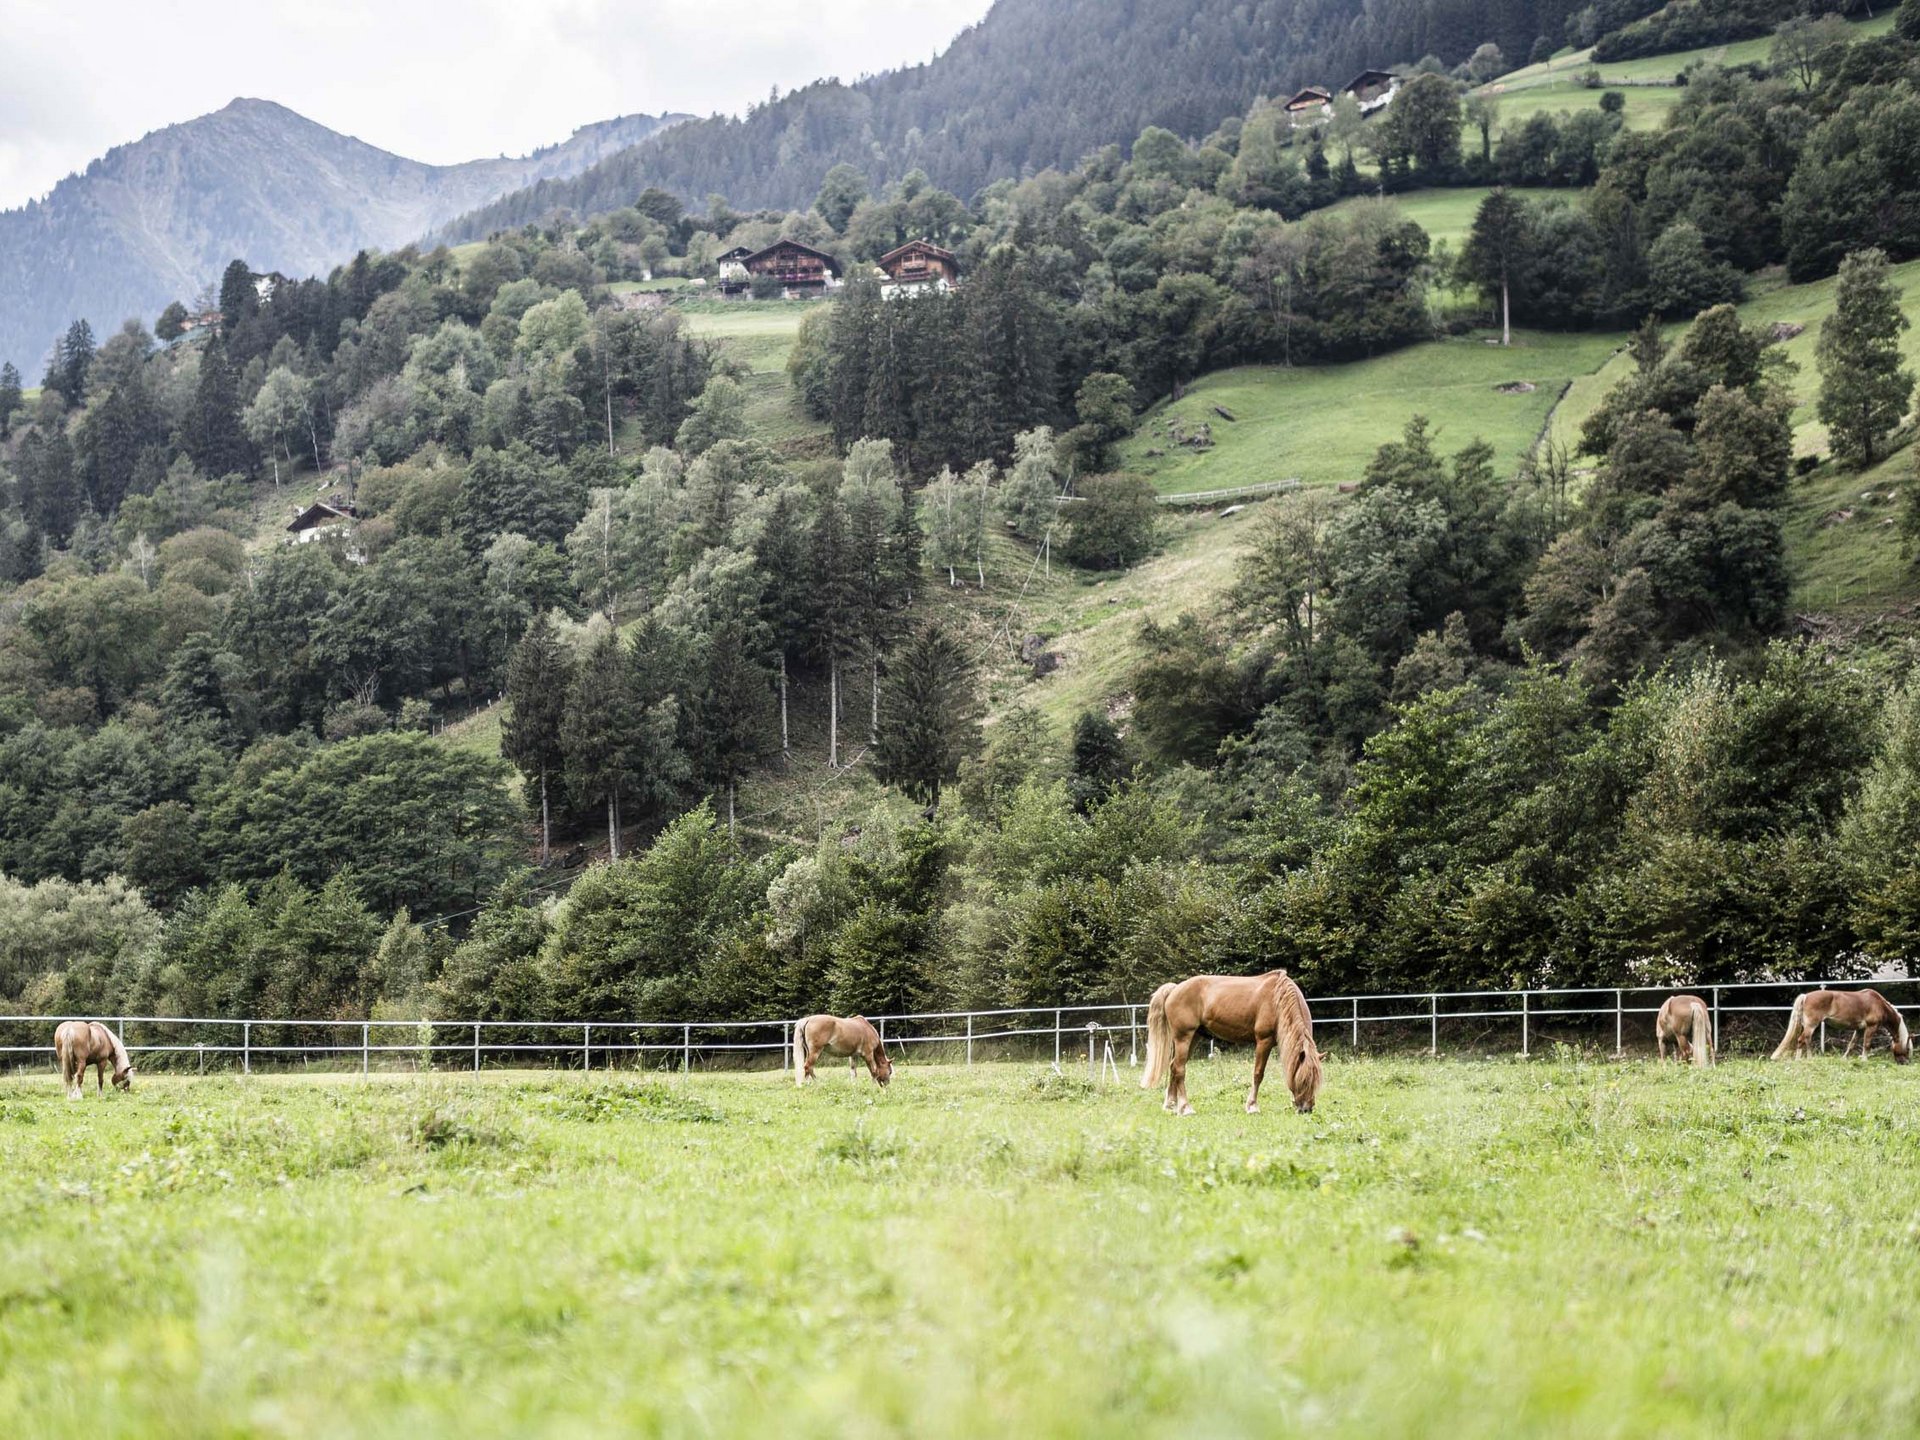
(600, 728)
(782, 554)
(215, 438)
(833, 602)
(10, 392)
(1864, 388)
(1496, 248)
(929, 714)
(238, 297)
(539, 678)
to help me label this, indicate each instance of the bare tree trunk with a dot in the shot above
(873, 724)
(730, 790)
(546, 820)
(785, 748)
(1506, 312)
(833, 712)
(613, 825)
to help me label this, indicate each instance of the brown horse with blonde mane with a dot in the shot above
(1267, 1009)
(80, 1043)
(1686, 1021)
(819, 1035)
(1861, 1011)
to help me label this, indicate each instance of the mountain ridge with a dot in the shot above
(157, 218)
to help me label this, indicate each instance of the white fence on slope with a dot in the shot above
(1469, 1021)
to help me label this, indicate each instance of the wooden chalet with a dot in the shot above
(1374, 89)
(799, 268)
(919, 265)
(320, 516)
(1309, 104)
(733, 270)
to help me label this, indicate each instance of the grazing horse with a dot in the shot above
(1861, 1011)
(80, 1043)
(819, 1035)
(1679, 1016)
(1267, 1009)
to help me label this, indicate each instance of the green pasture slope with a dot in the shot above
(759, 336)
(1464, 1249)
(1322, 423)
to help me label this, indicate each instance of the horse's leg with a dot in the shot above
(1177, 1082)
(1262, 1047)
(1849, 1050)
(1660, 1042)
(809, 1053)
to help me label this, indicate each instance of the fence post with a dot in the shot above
(1526, 1026)
(1433, 1009)
(1093, 1029)
(363, 1049)
(586, 1048)
(1133, 1037)
(1056, 1039)
(1618, 1049)
(1716, 1020)
(1823, 1037)
(246, 1047)
(969, 1037)
(476, 1047)
(686, 1049)
(1356, 1024)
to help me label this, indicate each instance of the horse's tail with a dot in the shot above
(1702, 1035)
(1903, 1042)
(1796, 1023)
(1159, 1039)
(800, 1051)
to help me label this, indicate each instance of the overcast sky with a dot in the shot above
(436, 82)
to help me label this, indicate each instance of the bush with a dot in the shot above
(1112, 526)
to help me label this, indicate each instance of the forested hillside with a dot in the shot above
(1037, 83)
(897, 686)
(154, 220)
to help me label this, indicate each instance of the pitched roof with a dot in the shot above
(924, 246)
(1368, 76)
(319, 513)
(738, 252)
(801, 246)
(1312, 93)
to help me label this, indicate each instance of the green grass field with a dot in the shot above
(1322, 423)
(759, 335)
(1469, 1249)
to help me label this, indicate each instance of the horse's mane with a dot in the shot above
(1296, 1022)
(122, 1062)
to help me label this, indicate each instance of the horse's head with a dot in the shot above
(123, 1079)
(1305, 1080)
(881, 1065)
(1902, 1051)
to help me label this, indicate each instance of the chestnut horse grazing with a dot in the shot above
(1686, 1021)
(1267, 1009)
(80, 1043)
(819, 1035)
(1861, 1011)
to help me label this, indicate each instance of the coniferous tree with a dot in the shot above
(239, 299)
(1864, 388)
(10, 392)
(600, 728)
(834, 602)
(215, 437)
(539, 680)
(1496, 248)
(929, 714)
(782, 554)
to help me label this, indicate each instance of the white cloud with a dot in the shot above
(435, 82)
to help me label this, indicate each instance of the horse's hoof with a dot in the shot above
(1187, 1110)
(1252, 1109)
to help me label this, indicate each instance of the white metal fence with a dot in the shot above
(1750, 1015)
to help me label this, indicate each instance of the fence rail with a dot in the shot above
(1235, 492)
(1470, 1021)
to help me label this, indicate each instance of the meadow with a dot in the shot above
(1472, 1248)
(1322, 423)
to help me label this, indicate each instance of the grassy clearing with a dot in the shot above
(1446, 213)
(758, 335)
(1323, 423)
(1468, 1248)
